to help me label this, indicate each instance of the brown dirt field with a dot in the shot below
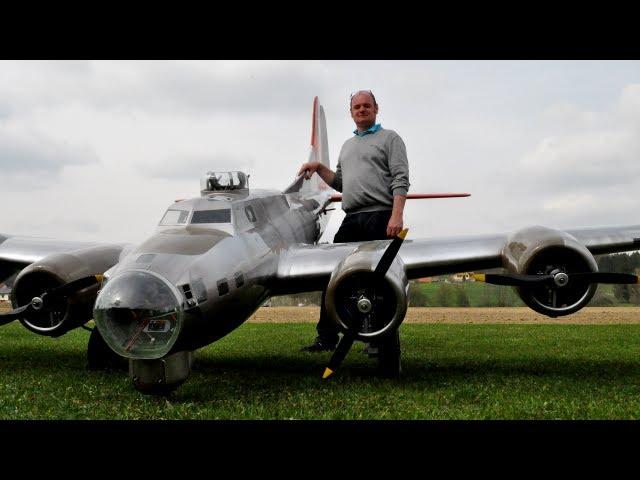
(589, 315)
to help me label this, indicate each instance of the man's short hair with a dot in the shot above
(375, 104)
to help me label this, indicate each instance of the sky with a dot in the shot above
(97, 150)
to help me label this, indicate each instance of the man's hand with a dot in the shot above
(309, 168)
(394, 227)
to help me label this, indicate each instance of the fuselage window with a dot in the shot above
(223, 287)
(175, 217)
(212, 216)
(251, 215)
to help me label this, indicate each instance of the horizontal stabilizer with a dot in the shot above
(337, 197)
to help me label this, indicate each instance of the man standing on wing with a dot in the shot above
(373, 176)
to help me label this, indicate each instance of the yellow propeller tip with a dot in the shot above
(327, 373)
(403, 233)
(99, 277)
(479, 277)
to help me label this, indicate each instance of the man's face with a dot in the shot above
(363, 110)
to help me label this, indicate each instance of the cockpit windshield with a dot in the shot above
(175, 217)
(212, 216)
(199, 216)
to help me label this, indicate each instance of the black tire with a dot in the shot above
(389, 356)
(101, 357)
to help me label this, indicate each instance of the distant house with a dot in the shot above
(5, 292)
(462, 277)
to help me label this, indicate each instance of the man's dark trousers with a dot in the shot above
(356, 227)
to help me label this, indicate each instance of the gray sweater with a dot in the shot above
(371, 170)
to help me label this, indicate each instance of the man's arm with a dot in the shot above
(394, 227)
(399, 169)
(325, 172)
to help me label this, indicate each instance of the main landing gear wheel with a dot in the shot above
(101, 357)
(389, 356)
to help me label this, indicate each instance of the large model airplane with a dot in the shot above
(216, 258)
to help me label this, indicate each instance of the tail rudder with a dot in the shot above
(319, 140)
(319, 147)
(319, 152)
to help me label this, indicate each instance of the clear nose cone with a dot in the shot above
(138, 315)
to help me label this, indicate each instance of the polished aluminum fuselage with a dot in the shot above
(222, 270)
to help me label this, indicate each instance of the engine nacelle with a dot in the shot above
(543, 251)
(359, 301)
(55, 270)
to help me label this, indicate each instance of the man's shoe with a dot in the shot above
(319, 346)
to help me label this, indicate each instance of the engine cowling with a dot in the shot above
(55, 270)
(544, 251)
(363, 303)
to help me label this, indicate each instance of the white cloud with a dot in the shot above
(590, 150)
(37, 154)
(160, 87)
(571, 202)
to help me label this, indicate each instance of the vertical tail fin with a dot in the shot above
(319, 152)
(319, 141)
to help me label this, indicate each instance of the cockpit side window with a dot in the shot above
(212, 216)
(251, 215)
(175, 217)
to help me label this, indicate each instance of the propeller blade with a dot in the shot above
(338, 356)
(522, 280)
(605, 277)
(513, 279)
(40, 304)
(381, 269)
(74, 286)
(390, 253)
(9, 317)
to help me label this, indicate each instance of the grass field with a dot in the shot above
(478, 293)
(451, 371)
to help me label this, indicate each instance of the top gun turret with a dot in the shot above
(223, 181)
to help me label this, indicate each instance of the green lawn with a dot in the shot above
(451, 372)
(478, 293)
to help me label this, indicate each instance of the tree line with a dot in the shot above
(621, 263)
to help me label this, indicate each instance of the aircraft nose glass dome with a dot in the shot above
(138, 315)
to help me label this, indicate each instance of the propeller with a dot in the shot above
(557, 279)
(365, 304)
(50, 298)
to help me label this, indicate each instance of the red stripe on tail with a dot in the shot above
(314, 138)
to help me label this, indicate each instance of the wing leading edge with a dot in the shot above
(17, 252)
(308, 267)
(602, 240)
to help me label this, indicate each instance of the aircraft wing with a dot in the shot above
(17, 252)
(601, 240)
(308, 267)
